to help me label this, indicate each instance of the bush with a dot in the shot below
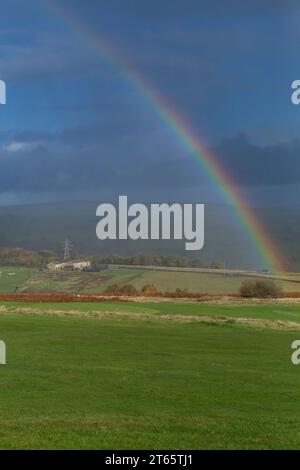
(126, 289)
(180, 293)
(149, 289)
(129, 289)
(260, 288)
(112, 289)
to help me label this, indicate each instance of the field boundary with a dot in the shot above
(90, 297)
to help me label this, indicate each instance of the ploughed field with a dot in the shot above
(149, 375)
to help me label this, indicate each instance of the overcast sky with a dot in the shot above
(75, 128)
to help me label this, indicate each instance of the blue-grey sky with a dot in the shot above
(75, 128)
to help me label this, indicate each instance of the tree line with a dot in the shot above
(145, 259)
(30, 258)
(26, 258)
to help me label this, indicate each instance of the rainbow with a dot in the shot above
(217, 174)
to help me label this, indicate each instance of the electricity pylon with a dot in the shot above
(67, 249)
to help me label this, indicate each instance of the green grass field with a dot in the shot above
(268, 311)
(147, 382)
(12, 277)
(211, 282)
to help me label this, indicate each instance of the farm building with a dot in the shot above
(69, 265)
(96, 268)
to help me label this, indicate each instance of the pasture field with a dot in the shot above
(135, 375)
(273, 311)
(202, 281)
(68, 281)
(12, 277)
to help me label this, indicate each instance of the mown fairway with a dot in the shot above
(75, 382)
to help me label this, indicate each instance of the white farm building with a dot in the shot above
(69, 265)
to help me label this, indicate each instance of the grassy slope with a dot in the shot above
(46, 281)
(8, 283)
(170, 280)
(212, 283)
(90, 383)
(165, 280)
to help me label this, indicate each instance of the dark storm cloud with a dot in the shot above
(52, 57)
(164, 10)
(85, 161)
(224, 65)
(251, 164)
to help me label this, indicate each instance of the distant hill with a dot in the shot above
(45, 226)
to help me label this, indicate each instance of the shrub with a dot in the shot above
(149, 289)
(112, 289)
(260, 288)
(180, 293)
(126, 289)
